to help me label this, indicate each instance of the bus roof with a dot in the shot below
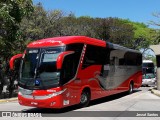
(60, 41)
(118, 47)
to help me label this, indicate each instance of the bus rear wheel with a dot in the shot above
(130, 91)
(85, 98)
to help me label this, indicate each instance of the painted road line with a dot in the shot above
(8, 100)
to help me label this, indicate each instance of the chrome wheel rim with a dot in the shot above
(84, 98)
(131, 88)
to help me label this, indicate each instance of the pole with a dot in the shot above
(156, 49)
(158, 78)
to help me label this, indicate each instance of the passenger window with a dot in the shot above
(94, 56)
(133, 59)
(68, 69)
(121, 61)
(112, 61)
(118, 56)
(158, 60)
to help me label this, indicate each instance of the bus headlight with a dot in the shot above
(56, 93)
(23, 91)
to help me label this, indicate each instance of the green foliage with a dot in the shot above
(143, 35)
(121, 32)
(11, 14)
(22, 23)
(156, 23)
(151, 57)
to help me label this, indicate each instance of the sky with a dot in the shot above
(134, 10)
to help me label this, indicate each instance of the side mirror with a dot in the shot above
(61, 58)
(12, 60)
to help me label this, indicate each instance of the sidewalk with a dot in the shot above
(8, 100)
(155, 91)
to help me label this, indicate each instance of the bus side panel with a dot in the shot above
(88, 78)
(72, 93)
(85, 79)
(91, 77)
(138, 80)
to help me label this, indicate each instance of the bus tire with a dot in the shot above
(85, 98)
(1, 93)
(130, 91)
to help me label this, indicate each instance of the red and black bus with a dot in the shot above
(63, 71)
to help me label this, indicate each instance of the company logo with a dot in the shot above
(37, 82)
(49, 41)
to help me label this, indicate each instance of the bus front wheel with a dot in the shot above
(85, 98)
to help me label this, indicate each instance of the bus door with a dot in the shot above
(69, 73)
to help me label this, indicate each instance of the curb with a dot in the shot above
(156, 92)
(8, 100)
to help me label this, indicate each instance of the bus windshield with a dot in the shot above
(148, 68)
(39, 69)
(148, 65)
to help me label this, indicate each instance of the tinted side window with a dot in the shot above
(94, 56)
(117, 57)
(158, 60)
(139, 59)
(121, 61)
(75, 47)
(68, 69)
(70, 62)
(133, 59)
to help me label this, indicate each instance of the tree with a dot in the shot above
(157, 15)
(43, 24)
(156, 23)
(143, 36)
(120, 32)
(34, 26)
(11, 14)
(101, 28)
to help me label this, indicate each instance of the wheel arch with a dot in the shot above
(85, 97)
(87, 88)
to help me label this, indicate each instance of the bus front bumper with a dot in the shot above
(148, 82)
(45, 100)
(54, 102)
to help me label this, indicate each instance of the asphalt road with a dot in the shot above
(141, 100)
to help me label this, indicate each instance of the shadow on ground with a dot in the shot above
(75, 107)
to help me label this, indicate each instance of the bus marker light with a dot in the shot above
(51, 90)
